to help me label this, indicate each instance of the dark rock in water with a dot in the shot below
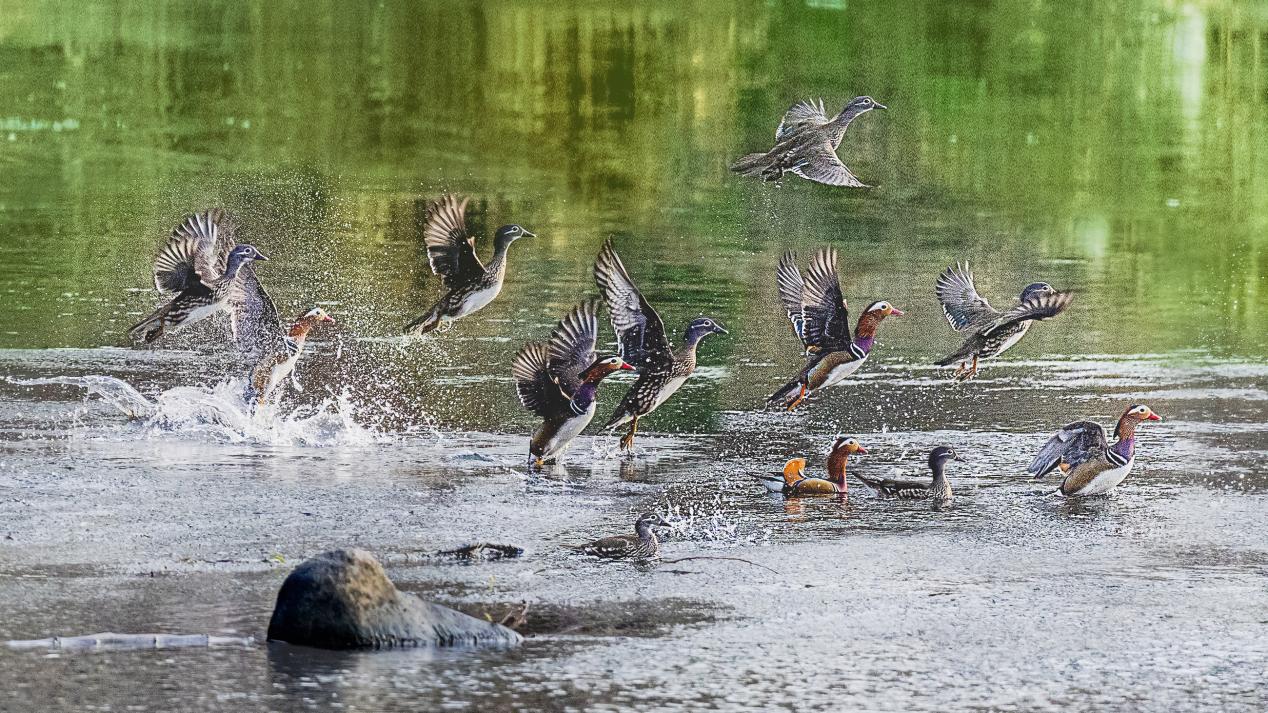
(482, 552)
(344, 600)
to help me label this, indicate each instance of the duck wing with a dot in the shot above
(1036, 308)
(895, 488)
(536, 388)
(195, 252)
(571, 345)
(640, 332)
(450, 249)
(827, 318)
(801, 115)
(256, 326)
(1073, 444)
(961, 303)
(791, 289)
(821, 165)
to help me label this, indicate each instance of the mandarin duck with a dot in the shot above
(990, 332)
(806, 144)
(201, 266)
(558, 381)
(270, 371)
(643, 545)
(821, 320)
(1091, 465)
(939, 489)
(640, 333)
(796, 483)
(469, 285)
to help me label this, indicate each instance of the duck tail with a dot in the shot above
(754, 164)
(786, 394)
(151, 328)
(950, 359)
(425, 323)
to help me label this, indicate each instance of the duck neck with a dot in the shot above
(939, 468)
(646, 534)
(584, 396)
(836, 467)
(299, 331)
(233, 267)
(865, 331)
(1125, 432)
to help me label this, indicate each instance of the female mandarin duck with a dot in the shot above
(662, 370)
(469, 285)
(806, 145)
(821, 319)
(794, 482)
(990, 332)
(274, 368)
(558, 381)
(202, 267)
(938, 489)
(1091, 465)
(643, 545)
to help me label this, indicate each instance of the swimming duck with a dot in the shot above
(558, 381)
(469, 285)
(806, 144)
(990, 332)
(640, 333)
(938, 489)
(643, 545)
(795, 482)
(1091, 465)
(821, 320)
(200, 266)
(272, 369)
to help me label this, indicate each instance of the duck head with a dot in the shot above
(602, 367)
(316, 315)
(1037, 289)
(872, 317)
(939, 457)
(643, 526)
(1131, 417)
(861, 105)
(702, 327)
(239, 256)
(508, 234)
(847, 445)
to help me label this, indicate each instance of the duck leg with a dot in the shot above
(801, 396)
(627, 441)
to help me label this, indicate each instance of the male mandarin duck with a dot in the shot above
(821, 320)
(1091, 465)
(558, 381)
(794, 481)
(269, 373)
(806, 144)
(643, 545)
(202, 267)
(990, 332)
(640, 332)
(938, 489)
(469, 285)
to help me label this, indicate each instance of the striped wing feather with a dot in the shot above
(450, 250)
(195, 252)
(640, 332)
(961, 303)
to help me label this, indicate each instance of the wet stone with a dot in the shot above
(344, 600)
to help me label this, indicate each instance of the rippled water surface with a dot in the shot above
(1113, 151)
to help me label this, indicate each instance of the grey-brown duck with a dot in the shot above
(643, 545)
(938, 489)
(640, 333)
(990, 332)
(821, 320)
(469, 285)
(559, 380)
(202, 267)
(806, 144)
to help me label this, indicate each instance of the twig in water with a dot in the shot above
(733, 559)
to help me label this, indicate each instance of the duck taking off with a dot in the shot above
(989, 331)
(640, 333)
(821, 320)
(270, 371)
(806, 144)
(1091, 465)
(938, 489)
(201, 266)
(559, 380)
(469, 285)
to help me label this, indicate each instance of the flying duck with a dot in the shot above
(821, 320)
(558, 381)
(939, 489)
(1091, 465)
(469, 285)
(794, 482)
(640, 546)
(989, 331)
(200, 266)
(640, 333)
(269, 373)
(806, 144)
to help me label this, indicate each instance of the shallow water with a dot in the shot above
(1123, 165)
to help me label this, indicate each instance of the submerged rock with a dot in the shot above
(344, 600)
